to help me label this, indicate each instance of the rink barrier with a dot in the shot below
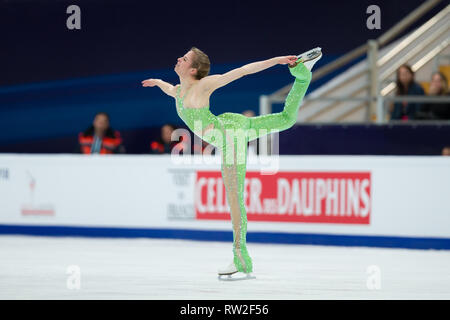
(227, 236)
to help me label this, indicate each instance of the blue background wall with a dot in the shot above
(53, 80)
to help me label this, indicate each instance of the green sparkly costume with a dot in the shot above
(230, 133)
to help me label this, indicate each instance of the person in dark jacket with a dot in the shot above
(165, 144)
(438, 88)
(406, 86)
(100, 138)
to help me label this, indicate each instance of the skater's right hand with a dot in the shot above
(287, 60)
(149, 82)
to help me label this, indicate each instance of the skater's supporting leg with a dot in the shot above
(233, 174)
(262, 125)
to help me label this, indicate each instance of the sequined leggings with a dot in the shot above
(238, 130)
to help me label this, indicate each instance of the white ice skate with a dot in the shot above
(309, 58)
(231, 273)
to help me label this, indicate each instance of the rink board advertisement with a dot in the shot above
(353, 200)
(296, 196)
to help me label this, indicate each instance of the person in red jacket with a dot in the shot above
(100, 138)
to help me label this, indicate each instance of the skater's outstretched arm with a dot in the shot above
(213, 82)
(166, 87)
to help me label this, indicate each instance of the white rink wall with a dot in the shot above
(334, 200)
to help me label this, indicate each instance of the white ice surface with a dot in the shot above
(36, 268)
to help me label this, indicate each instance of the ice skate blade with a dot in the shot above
(237, 276)
(311, 55)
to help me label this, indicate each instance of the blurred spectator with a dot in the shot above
(165, 144)
(100, 138)
(249, 113)
(406, 86)
(446, 151)
(438, 87)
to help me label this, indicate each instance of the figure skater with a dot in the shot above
(231, 132)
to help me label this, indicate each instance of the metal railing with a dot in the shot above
(376, 93)
(267, 144)
(381, 41)
(438, 59)
(382, 103)
(416, 66)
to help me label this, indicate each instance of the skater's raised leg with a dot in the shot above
(275, 122)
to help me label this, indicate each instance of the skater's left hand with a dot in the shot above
(287, 60)
(149, 82)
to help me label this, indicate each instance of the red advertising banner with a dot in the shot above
(315, 197)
